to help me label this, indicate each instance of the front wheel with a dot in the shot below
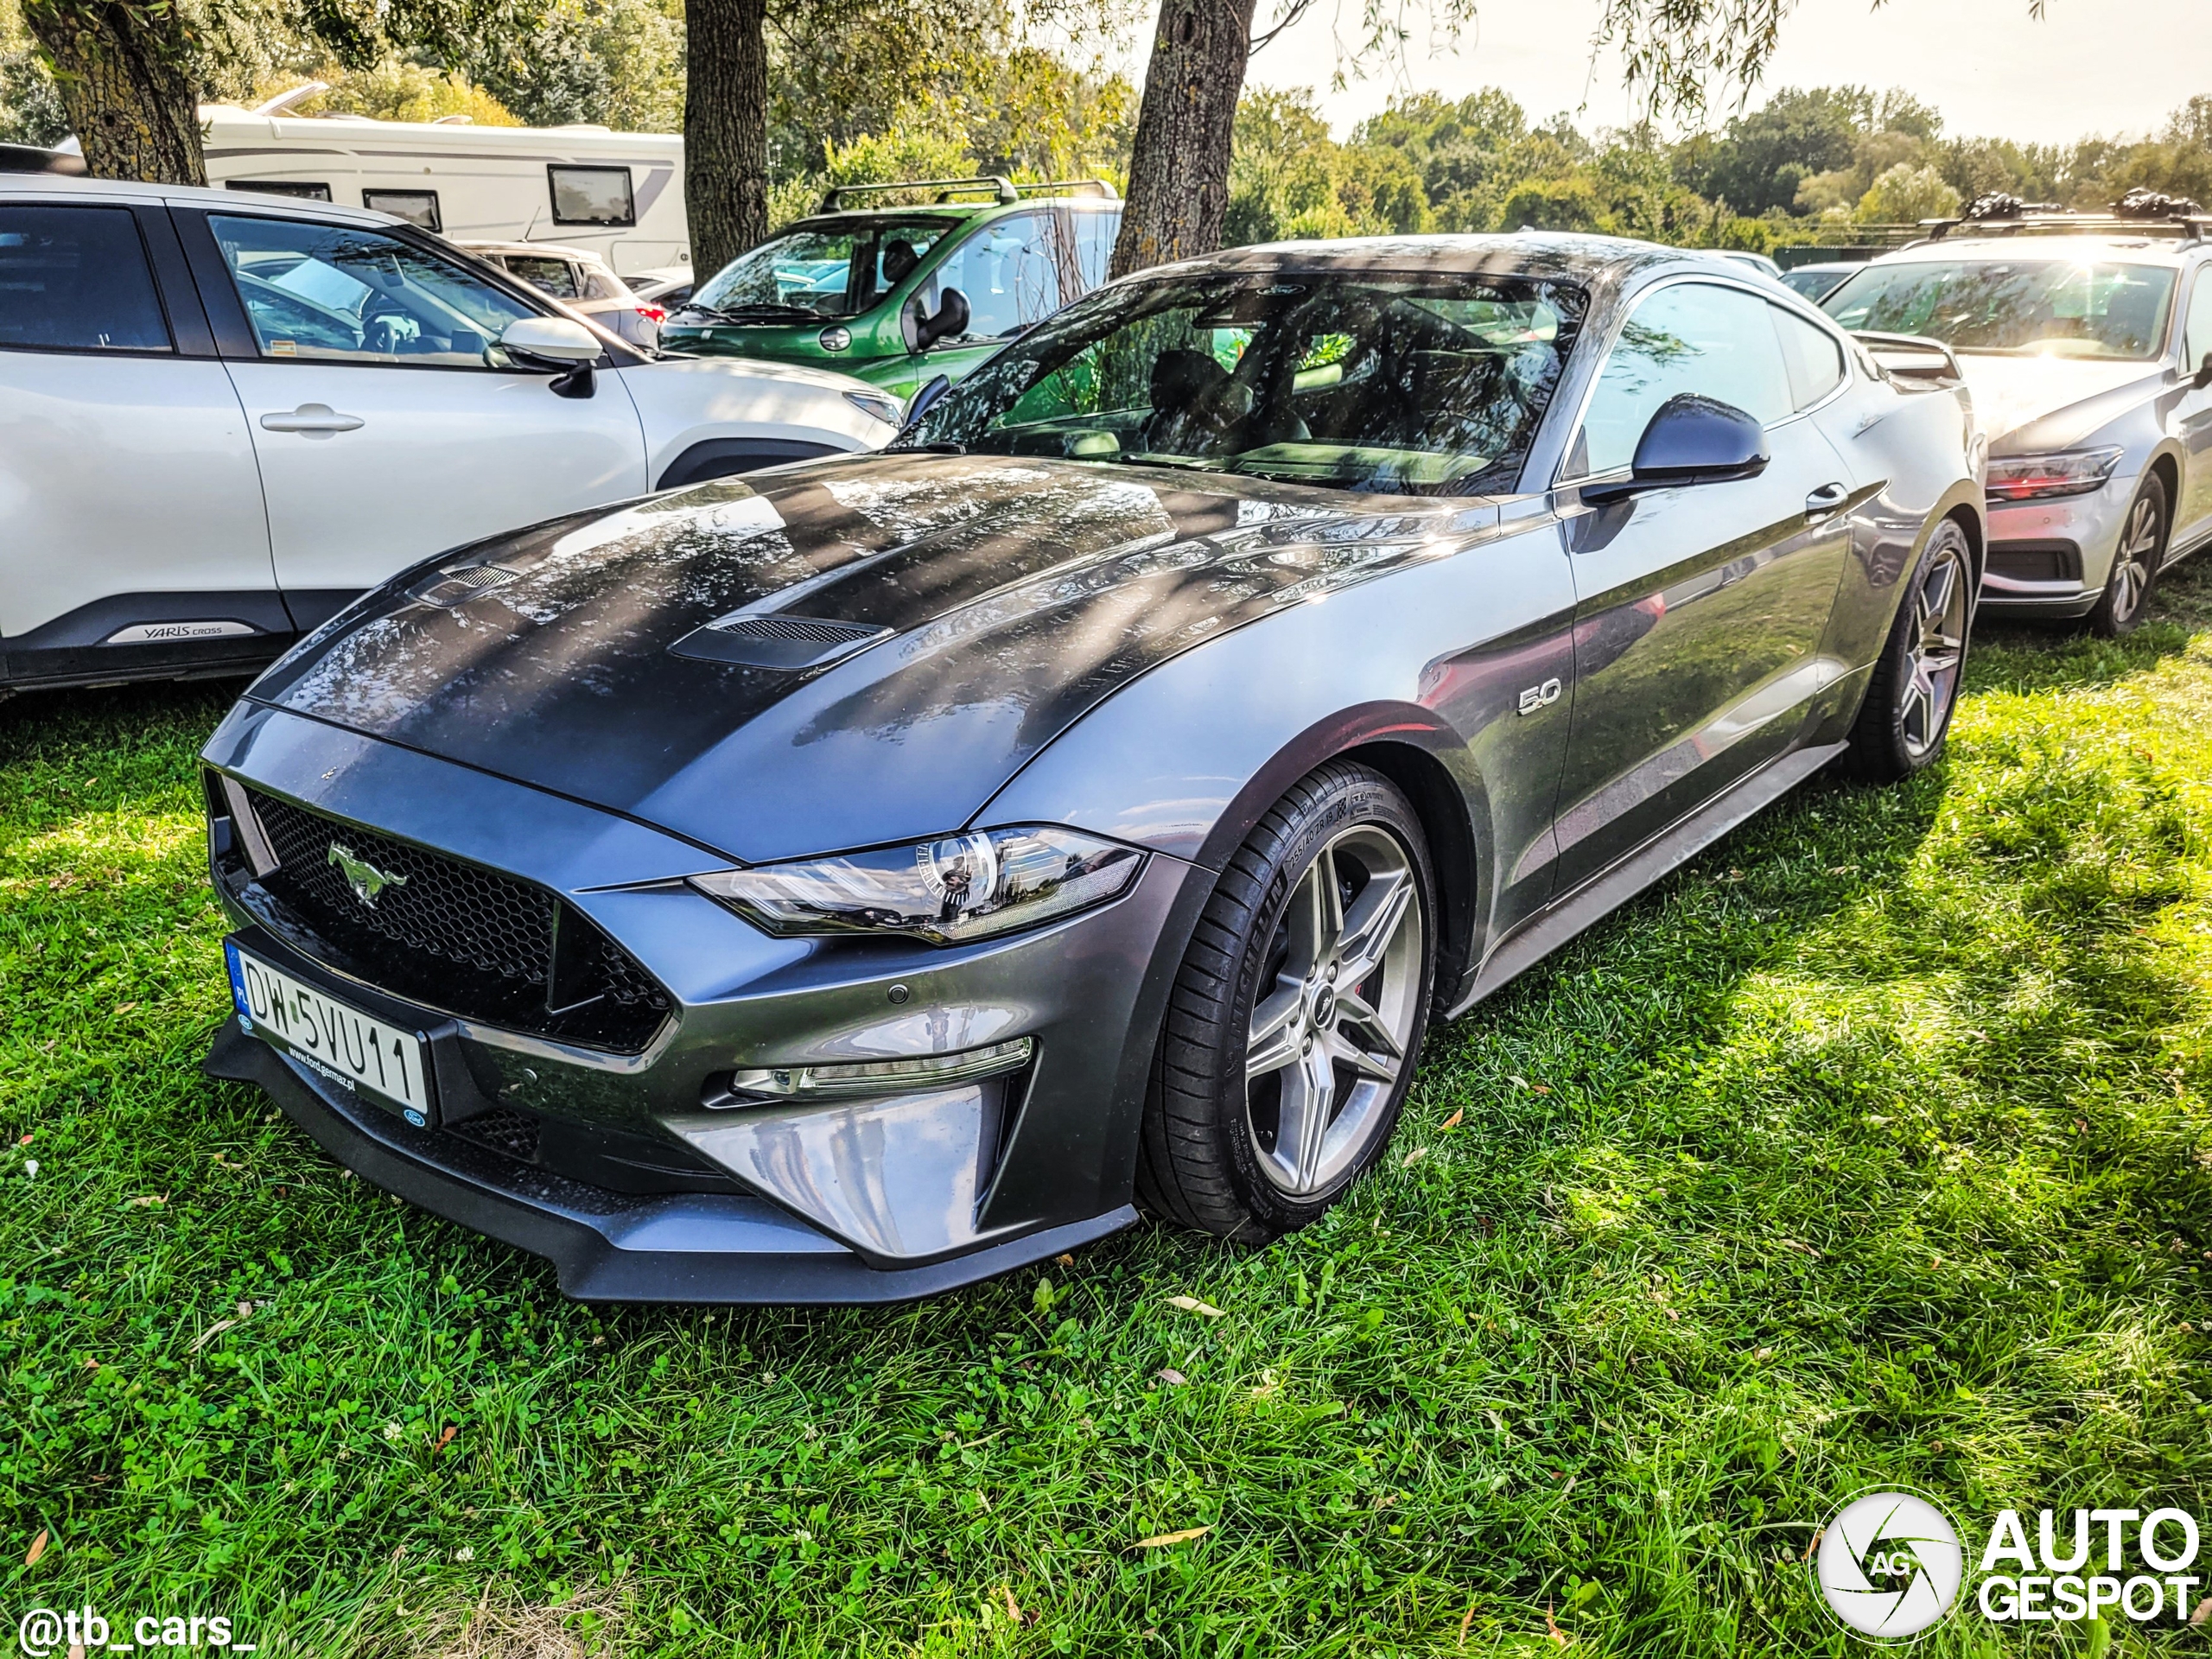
(1907, 714)
(2134, 563)
(1300, 1006)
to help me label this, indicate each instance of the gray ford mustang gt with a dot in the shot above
(870, 876)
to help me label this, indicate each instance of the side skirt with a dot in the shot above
(1564, 919)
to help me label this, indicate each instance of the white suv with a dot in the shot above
(582, 282)
(222, 415)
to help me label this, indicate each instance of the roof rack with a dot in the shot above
(1006, 189)
(2157, 215)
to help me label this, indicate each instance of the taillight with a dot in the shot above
(653, 313)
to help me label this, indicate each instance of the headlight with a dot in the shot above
(882, 405)
(2031, 477)
(967, 886)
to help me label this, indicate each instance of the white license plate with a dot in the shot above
(331, 1037)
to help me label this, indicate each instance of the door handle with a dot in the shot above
(1826, 499)
(316, 420)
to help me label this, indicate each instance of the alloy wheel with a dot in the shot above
(1336, 1008)
(1936, 651)
(2136, 559)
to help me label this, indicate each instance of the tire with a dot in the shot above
(2135, 563)
(1907, 714)
(1266, 982)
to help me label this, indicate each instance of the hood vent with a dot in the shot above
(785, 642)
(459, 585)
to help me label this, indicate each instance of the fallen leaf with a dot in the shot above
(1063, 1261)
(1013, 1607)
(1538, 1088)
(446, 1439)
(1552, 1630)
(245, 1309)
(125, 1007)
(1192, 1305)
(1415, 1157)
(1182, 1537)
(1764, 1353)
(1818, 1532)
(1172, 1378)
(1465, 1619)
(2202, 1616)
(1456, 1119)
(38, 1548)
(151, 1197)
(210, 1334)
(26, 1141)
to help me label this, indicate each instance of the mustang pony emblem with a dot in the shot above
(366, 881)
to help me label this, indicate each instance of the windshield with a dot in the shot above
(837, 270)
(1415, 385)
(2059, 307)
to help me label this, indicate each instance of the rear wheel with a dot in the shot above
(2135, 565)
(1907, 714)
(1300, 1006)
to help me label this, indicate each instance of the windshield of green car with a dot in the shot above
(2057, 307)
(1428, 386)
(823, 271)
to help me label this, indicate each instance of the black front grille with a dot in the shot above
(437, 930)
(2051, 560)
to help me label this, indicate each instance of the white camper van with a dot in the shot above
(618, 195)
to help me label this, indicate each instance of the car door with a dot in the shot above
(388, 423)
(1009, 270)
(2193, 418)
(1699, 609)
(134, 532)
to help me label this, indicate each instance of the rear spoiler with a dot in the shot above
(1912, 357)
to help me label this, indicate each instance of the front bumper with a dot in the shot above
(635, 1172)
(693, 1248)
(2053, 558)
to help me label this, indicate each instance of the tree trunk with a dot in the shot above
(120, 65)
(725, 128)
(1179, 167)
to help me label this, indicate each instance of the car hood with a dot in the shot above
(1017, 593)
(2027, 405)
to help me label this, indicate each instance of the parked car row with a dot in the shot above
(889, 869)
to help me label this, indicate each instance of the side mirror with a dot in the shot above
(923, 331)
(560, 346)
(2203, 376)
(926, 395)
(1692, 440)
(559, 339)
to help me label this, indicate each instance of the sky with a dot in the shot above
(2109, 67)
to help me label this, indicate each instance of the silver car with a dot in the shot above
(2090, 361)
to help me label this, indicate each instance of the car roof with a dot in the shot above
(60, 184)
(1544, 254)
(2138, 250)
(961, 211)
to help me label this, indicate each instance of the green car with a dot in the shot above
(898, 295)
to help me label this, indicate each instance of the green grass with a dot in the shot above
(1874, 1147)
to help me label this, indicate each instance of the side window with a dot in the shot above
(2196, 333)
(1695, 337)
(1094, 246)
(544, 273)
(76, 279)
(1813, 358)
(338, 294)
(592, 195)
(1007, 271)
(416, 206)
(598, 285)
